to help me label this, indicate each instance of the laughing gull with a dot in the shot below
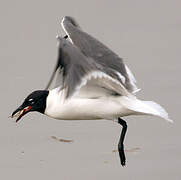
(92, 83)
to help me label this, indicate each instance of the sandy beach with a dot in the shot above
(146, 34)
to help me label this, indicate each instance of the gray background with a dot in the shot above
(146, 34)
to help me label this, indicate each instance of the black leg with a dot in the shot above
(121, 141)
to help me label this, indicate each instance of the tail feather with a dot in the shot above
(159, 111)
(148, 108)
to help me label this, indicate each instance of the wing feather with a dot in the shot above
(93, 48)
(77, 70)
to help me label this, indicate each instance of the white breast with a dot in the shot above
(84, 108)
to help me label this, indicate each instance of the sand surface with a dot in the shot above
(147, 34)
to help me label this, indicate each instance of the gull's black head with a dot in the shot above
(36, 101)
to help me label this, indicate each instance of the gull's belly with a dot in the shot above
(87, 109)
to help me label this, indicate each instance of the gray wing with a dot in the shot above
(77, 70)
(72, 66)
(93, 48)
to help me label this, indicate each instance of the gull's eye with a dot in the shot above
(31, 101)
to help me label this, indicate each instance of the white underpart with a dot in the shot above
(62, 24)
(108, 107)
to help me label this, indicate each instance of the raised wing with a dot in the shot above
(77, 70)
(93, 48)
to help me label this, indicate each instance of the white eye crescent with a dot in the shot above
(31, 101)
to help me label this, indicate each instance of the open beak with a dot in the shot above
(20, 112)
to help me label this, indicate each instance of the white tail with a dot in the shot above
(148, 108)
(159, 111)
